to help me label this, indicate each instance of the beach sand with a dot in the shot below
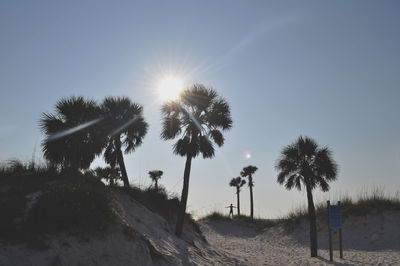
(370, 240)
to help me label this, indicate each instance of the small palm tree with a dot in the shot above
(237, 182)
(124, 126)
(197, 118)
(155, 175)
(248, 172)
(72, 139)
(304, 163)
(111, 175)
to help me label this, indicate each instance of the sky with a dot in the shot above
(329, 70)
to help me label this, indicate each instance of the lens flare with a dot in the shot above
(247, 155)
(169, 87)
(72, 130)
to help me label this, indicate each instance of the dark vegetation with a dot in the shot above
(161, 202)
(73, 207)
(197, 119)
(237, 182)
(304, 164)
(40, 200)
(248, 172)
(365, 204)
(156, 200)
(257, 223)
(81, 129)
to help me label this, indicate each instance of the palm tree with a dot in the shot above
(111, 175)
(125, 127)
(197, 118)
(237, 182)
(304, 163)
(155, 175)
(72, 139)
(248, 172)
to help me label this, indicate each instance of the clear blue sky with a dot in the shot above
(326, 69)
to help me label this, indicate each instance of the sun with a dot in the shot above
(169, 87)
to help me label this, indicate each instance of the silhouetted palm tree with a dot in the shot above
(72, 139)
(197, 118)
(155, 175)
(125, 127)
(237, 182)
(248, 172)
(111, 175)
(304, 163)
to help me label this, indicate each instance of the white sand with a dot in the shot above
(372, 240)
(156, 244)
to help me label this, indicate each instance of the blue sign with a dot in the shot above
(335, 217)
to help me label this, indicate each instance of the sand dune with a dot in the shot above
(142, 237)
(371, 240)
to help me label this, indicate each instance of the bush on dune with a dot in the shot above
(36, 200)
(75, 208)
(156, 200)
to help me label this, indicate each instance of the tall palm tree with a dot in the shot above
(197, 118)
(304, 163)
(237, 182)
(124, 126)
(155, 175)
(72, 139)
(248, 172)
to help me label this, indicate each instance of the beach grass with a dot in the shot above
(365, 203)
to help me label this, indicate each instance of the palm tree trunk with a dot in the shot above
(238, 201)
(251, 197)
(121, 162)
(184, 196)
(156, 185)
(313, 221)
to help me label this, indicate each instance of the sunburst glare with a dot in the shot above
(169, 87)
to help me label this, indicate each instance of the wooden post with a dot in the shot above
(330, 233)
(340, 236)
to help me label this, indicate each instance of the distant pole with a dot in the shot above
(340, 239)
(330, 232)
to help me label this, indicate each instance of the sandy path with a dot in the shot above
(276, 247)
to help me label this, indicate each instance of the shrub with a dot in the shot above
(156, 200)
(70, 208)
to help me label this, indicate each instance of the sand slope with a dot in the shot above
(139, 237)
(142, 237)
(371, 240)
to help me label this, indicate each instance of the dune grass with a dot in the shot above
(36, 200)
(256, 223)
(368, 202)
(160, 202)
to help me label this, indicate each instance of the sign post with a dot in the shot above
(334, 221)
(340, 238)
(330, 231)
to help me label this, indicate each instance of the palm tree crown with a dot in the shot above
(237, 182)
(198, 118)
(73, 140)
(124, 126)
(248, 171)
(155, 175)
(304, 162)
